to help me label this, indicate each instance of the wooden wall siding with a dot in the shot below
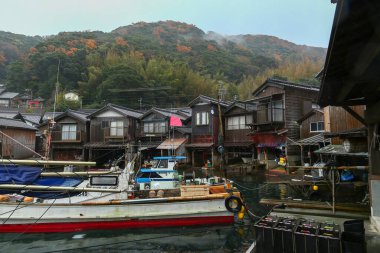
(305, 126)
(67, 154)
(210, 130)
(82, 134)
(269, 91)
(337, 120)
(294, 102)
(207, 129)
(237, 135)
(99, 134)
(14, 150)
(294, 110)
(235, 111)
(202, 139)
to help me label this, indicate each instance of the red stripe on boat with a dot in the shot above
(123, 224)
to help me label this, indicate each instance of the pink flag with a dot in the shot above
(175, 121)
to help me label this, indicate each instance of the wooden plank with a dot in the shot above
(46, 162)
(349, 207)
(54, 188)
(79, 173)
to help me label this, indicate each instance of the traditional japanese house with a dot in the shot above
(238, 117)
(207, 125)
(351, 77)
(66, 134)
(158, 136)
(312, 127)
(113, 130)
(279, 105)
(18, 139)
(7, 98)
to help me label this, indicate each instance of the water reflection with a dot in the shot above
(201, 239)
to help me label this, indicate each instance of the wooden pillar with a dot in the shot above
(192, 157)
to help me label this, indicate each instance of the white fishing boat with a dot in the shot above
(105, 201)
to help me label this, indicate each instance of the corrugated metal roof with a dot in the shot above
(171, 143)
(338, 150)
(313, 140)
(199, 145)
(14, 123)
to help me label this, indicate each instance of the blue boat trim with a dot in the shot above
(169, 157)
(158, 171)
(148, 180)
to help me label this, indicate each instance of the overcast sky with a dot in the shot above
(300, 21)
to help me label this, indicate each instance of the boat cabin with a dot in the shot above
(160, 173)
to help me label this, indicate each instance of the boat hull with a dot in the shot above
(38, 218)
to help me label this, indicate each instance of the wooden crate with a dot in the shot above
(194, 190)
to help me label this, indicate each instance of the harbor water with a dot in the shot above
(234, 238)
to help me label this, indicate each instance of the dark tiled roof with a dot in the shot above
(165, 113)
(249, 107)
(14, 123)
(286, 84)
(121, 109)
(209, 100)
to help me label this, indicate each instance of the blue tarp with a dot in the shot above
(54, 181)
(14, 174)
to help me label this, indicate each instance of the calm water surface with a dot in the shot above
(235, 238)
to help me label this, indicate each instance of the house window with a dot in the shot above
(317, 126)
(277, 111)
(202, 118)
(155, 127)
(270, 111)
(239, 122)
(105, 124)
(69, 132)
(148, 127)
(116, 128)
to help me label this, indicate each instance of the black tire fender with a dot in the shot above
(231, 201)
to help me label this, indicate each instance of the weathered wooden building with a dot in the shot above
(206, 127)
(279, 105)
(157, 137)
(69, 132)
(113, 130)
(351, 77)
(237, 142)
(337, 120)
(312, 128)
(18, 140)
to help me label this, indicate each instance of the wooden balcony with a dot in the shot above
(119, 135)
(270, 116)
(67, 137)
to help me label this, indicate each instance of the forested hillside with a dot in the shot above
(164, 63)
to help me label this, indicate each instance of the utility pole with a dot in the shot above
(221, 94)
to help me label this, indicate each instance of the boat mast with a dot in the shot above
(51, 122)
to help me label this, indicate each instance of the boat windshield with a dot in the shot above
(148, 175)
(160, 164)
